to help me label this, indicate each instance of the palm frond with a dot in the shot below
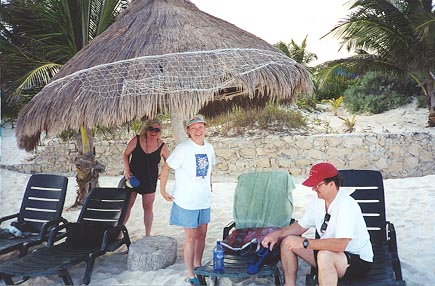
(38, 77)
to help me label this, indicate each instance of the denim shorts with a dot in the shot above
(188, 218)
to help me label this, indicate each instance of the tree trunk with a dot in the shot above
(87, 168)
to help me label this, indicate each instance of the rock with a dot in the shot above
(152, 253)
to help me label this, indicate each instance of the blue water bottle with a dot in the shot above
(218, 258)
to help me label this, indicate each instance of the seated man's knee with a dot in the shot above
(324, 257)
(283, 244)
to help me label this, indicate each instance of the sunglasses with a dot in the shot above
(153, 129)
(325, 223)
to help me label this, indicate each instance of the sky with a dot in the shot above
(284, 20)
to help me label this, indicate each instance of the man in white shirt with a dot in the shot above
(344, 247)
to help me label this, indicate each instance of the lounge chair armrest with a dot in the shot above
(5, 218)
(391, 237)
(45, 229)
(392, 246)
(109, 233)
(54, 233)
(228, 228)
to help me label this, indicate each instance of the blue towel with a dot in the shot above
(263, 199)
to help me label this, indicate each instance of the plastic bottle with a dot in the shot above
(218, 258)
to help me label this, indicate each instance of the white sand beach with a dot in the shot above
(409, 204)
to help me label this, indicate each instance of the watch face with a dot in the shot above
(305, 243)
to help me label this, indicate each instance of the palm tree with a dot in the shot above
(297, 52)
(391, 35)
(37, 38)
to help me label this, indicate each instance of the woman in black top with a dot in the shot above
(141, 159)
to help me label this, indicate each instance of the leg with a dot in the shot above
(199, 244)
(130, 205)
(147, 205)
(189, 249)
(332, 265)
(289, 260)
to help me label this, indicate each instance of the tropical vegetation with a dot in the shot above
(37, 37)
(395, 36)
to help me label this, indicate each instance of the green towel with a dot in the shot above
(263, 199)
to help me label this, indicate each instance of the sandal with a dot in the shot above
(258, 261)
(193, 281)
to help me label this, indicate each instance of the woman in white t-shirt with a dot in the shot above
(192, 161)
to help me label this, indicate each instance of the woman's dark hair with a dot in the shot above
(338, 180)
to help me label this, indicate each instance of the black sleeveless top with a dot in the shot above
(145, 167)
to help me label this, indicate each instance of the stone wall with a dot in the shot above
(395, 155)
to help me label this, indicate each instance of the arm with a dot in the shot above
(163, 182)
(126, 156)
(165, 152)
(293, 229)
(332, 244)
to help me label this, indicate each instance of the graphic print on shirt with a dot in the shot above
(201, 165)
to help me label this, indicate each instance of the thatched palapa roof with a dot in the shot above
(159, 54)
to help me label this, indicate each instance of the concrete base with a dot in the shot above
(152, 253)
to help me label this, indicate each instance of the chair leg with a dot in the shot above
(201, 279)
(89, 268)
(66, 278)
(277, 276)
(8, 280)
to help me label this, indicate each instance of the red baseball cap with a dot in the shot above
(319, 172)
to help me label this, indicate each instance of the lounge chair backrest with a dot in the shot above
(105, 205)
(368, 190)
(43, 200)
(263, 199)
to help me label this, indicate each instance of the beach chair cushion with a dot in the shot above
(241, 239)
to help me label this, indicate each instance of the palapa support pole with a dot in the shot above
(177, 122)
(85, 140)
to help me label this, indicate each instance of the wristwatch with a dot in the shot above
(305, 243)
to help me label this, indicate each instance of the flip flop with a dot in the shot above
(193, 281)
(259, 260)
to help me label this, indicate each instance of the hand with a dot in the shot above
(270, 240)
(167, 196)
(127, 175)
(293, 241)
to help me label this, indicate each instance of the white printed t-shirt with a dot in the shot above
(193, 165)
(346, 221)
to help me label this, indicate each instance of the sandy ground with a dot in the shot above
(407, 118)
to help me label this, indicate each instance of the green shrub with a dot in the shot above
(421, 101)
(67, 135)
(378, 92)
